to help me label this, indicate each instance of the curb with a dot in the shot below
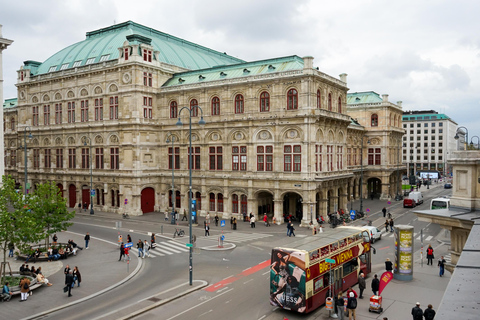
(227, 246)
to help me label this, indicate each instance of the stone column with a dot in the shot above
(278, 211)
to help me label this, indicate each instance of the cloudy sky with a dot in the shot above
(424, 53)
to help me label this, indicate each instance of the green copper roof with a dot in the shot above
(363, 97)
(427, 116)
(237, 70)
(10, 103)
(102, 45)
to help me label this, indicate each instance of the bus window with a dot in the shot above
(349, 267)
(359, 236)
(363, 258)
(366, 236)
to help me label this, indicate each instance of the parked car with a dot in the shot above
(447, 186)
(409, 203)
(375, 233)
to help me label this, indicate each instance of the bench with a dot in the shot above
(34, 284)
(44, 255)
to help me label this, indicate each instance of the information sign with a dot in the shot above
(352, 214)
(128, 245)
(189, 245)
(330, 260)
(222, 223)
(92, 192)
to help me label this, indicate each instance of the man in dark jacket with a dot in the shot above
(388, 265)
(375, 285)
(122, 252)
(69, 282)
(361, 284)
(417, 312)
(429, 313)
(351, 306)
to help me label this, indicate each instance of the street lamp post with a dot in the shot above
(478, 143)
(172, 138)
(398, 196)
(456, 137)
(25, 150)
(91, 172)
(361, 177)
(179, 123)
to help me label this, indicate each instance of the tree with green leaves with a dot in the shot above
(49, 210)
(16, 223)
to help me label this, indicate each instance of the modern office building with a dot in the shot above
(277, 139)
(429, 141)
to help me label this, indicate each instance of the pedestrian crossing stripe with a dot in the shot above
(162, 249)
(243, 237)
(417, 236)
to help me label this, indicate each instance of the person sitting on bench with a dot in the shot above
(6, 293)
(41, 278)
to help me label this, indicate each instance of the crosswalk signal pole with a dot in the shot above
(421, 249)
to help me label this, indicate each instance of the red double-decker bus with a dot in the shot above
(300, 275)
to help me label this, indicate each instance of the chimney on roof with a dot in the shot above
(385, 97)
(343, 77)
(308, 62)
(399, 103)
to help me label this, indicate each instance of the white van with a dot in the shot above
(417, 196)
(375, 233)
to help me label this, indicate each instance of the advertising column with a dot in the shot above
(403, 268)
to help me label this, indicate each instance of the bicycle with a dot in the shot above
(178, 232)
(389, 215)
(125, 216)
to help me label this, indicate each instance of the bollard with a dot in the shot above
(161, 229)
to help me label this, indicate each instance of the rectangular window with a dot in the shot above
(113, 107)
(46, 115)
(71, 112)
(339, 158)
(77, 64)
(114, 158)
(64, 66)
(196, 158)
(90, 61)
(36, 158)
(318, 157)
(72, 159)
(265, 158)
(147, 79)
(13, 158)
(59, 158)
(177, 157)
(292, 155)
(329, 158)
(52, 69)
(374, 156)
(58, 113)
(239, 158)
(99, 160)
(215, 158)
(349, 156)
(48, 158)
(35, 116)
(147, 107)
(99, 109)
(125, 53)
(85, 158)
(147, 55)
(84, 110)
(104, 57)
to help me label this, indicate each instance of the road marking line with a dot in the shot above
(248, 281)
(429, 238)
(205, 313)
(265, 273)
(262, 317)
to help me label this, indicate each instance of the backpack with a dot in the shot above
(353, 303)
(25, 286)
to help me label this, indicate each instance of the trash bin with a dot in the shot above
(375, 304)
(329, 303)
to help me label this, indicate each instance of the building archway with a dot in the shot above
(86, 195)
(374, 187)
(72, 196)
(147, 200)
(265, 204)
(293, 206)
(60, 188)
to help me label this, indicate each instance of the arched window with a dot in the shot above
(170, 203)
(235, 203)
(329, 102)
(177, 199)
(239, 103)
(319, 99)
(374, 120)
(339, 105)
(198, 196)
(220, 202)
(12, 124)
(243, 203)
(173, 110)
(212, 201)
(215, 106)
(264, 102)
(193, 103)
(292, 99)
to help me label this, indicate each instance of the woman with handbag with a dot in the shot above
(76, 277)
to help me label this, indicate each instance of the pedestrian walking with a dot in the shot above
(361, 284)
(77, 277)
(265, 219)
(55, 239)
(292, 229)
(430, 256)
(441, 265)
(388, 265)
(386, 225)
(69, 282)
(207, 218)
(66, 271)
(146, 249)
(234, 223)
(129, 239)
(152, 241)
(140, 249)
(417, 312)
(216, 220)
(126, 254)
(122, 252)
(24, 288)
(231, 222)
(252, 221)
(207, 230)
(87, 240)
(11, 247)
(352, 306)
(166, 215)
(384, 211)
(340, 303)
(375, 285)
(184, 215)
(429, 313)
(288, 228)
(391, 225)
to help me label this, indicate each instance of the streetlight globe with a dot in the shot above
(179, 123)
(456, 137)
(201, 122)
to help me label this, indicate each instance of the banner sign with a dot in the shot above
(386, 277)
